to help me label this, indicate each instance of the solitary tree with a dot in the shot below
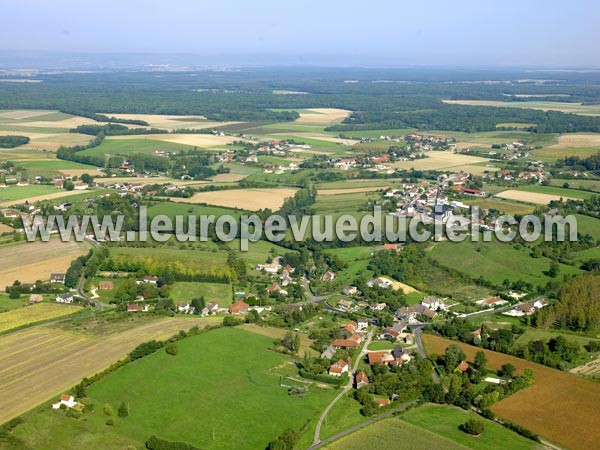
(123, 410)
(480, 361)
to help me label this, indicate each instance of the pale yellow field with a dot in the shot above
(349, 190)
(399, 285)
(530, 197)
(323, 116)
(228, 177)
(22, 114)
(41, 363)
(581, 145)
(78, 172)
(198, 140)
(171, 122)
(440, 160)
(248, 199)
(566, 107)
(54, 141)
(39, 198)
(34, 313)
(479, 170)
(32, 261)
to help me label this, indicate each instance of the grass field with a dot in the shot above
(13, 193)
(51, 360)
(8, 304)
(445, 420)
(49, 167)
(393, 434)
(35, 313)
(225, 377)
(593, 185)
(114, 146)
(184, 292)
(503, 206)
(559, 406)
(495, 261)
(279, 333)
(246, 199)
(588, 225)
(32, 261)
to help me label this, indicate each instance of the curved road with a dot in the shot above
(363, 352)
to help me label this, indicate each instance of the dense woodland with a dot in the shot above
(11, 141)
(247, 95)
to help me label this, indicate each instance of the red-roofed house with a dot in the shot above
(67, 400)
(239, 307)
(339, 368)
(462, 367)
(361, 380)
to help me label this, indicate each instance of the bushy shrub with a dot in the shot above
(473, 426)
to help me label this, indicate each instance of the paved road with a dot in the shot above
(350, 430)
(417, 334)
(351, 372)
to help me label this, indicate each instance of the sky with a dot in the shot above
(548, 33)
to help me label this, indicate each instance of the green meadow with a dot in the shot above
(445, 421)
(131, 146)
(496, 261)
(220, 391)
(184, 292)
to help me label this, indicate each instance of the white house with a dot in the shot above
(67, 400)
(185, 308)
(64, 298)
(339, 368)
(362, 324)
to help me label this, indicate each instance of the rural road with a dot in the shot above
(417, 334)
(350, 430)
(363, 352)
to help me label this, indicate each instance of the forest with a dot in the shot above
(248, 95)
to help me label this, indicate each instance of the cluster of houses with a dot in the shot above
(282, 275)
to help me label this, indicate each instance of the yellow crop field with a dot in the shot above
(197, 140)
(248, 199)
(440, 160)
(34, 313)
(529, 197)
(32, 261)
(322, 116)
(171, 122)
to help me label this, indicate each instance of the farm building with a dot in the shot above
(105, 285)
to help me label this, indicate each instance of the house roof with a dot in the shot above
(362, 378)
(463, 366)
(345, 343)
(66, 398)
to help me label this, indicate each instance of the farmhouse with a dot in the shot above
(57, 278)
(239, 307)
(184, 308)
(64, 298)
(210, 308)
(350, 327)
(152, 279)
(328, 276)
(492, 302)
(412, 313)
(137, 307)
(462, 367)
(361, 380)
(67, 400)
(339, 368)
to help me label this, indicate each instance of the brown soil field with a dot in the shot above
(349, 190)
(248, 199)
(5, 229)
(560, 406)
(32, 261)
(440, 160)
(529, 197)
(42, 362)
(323, 116)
